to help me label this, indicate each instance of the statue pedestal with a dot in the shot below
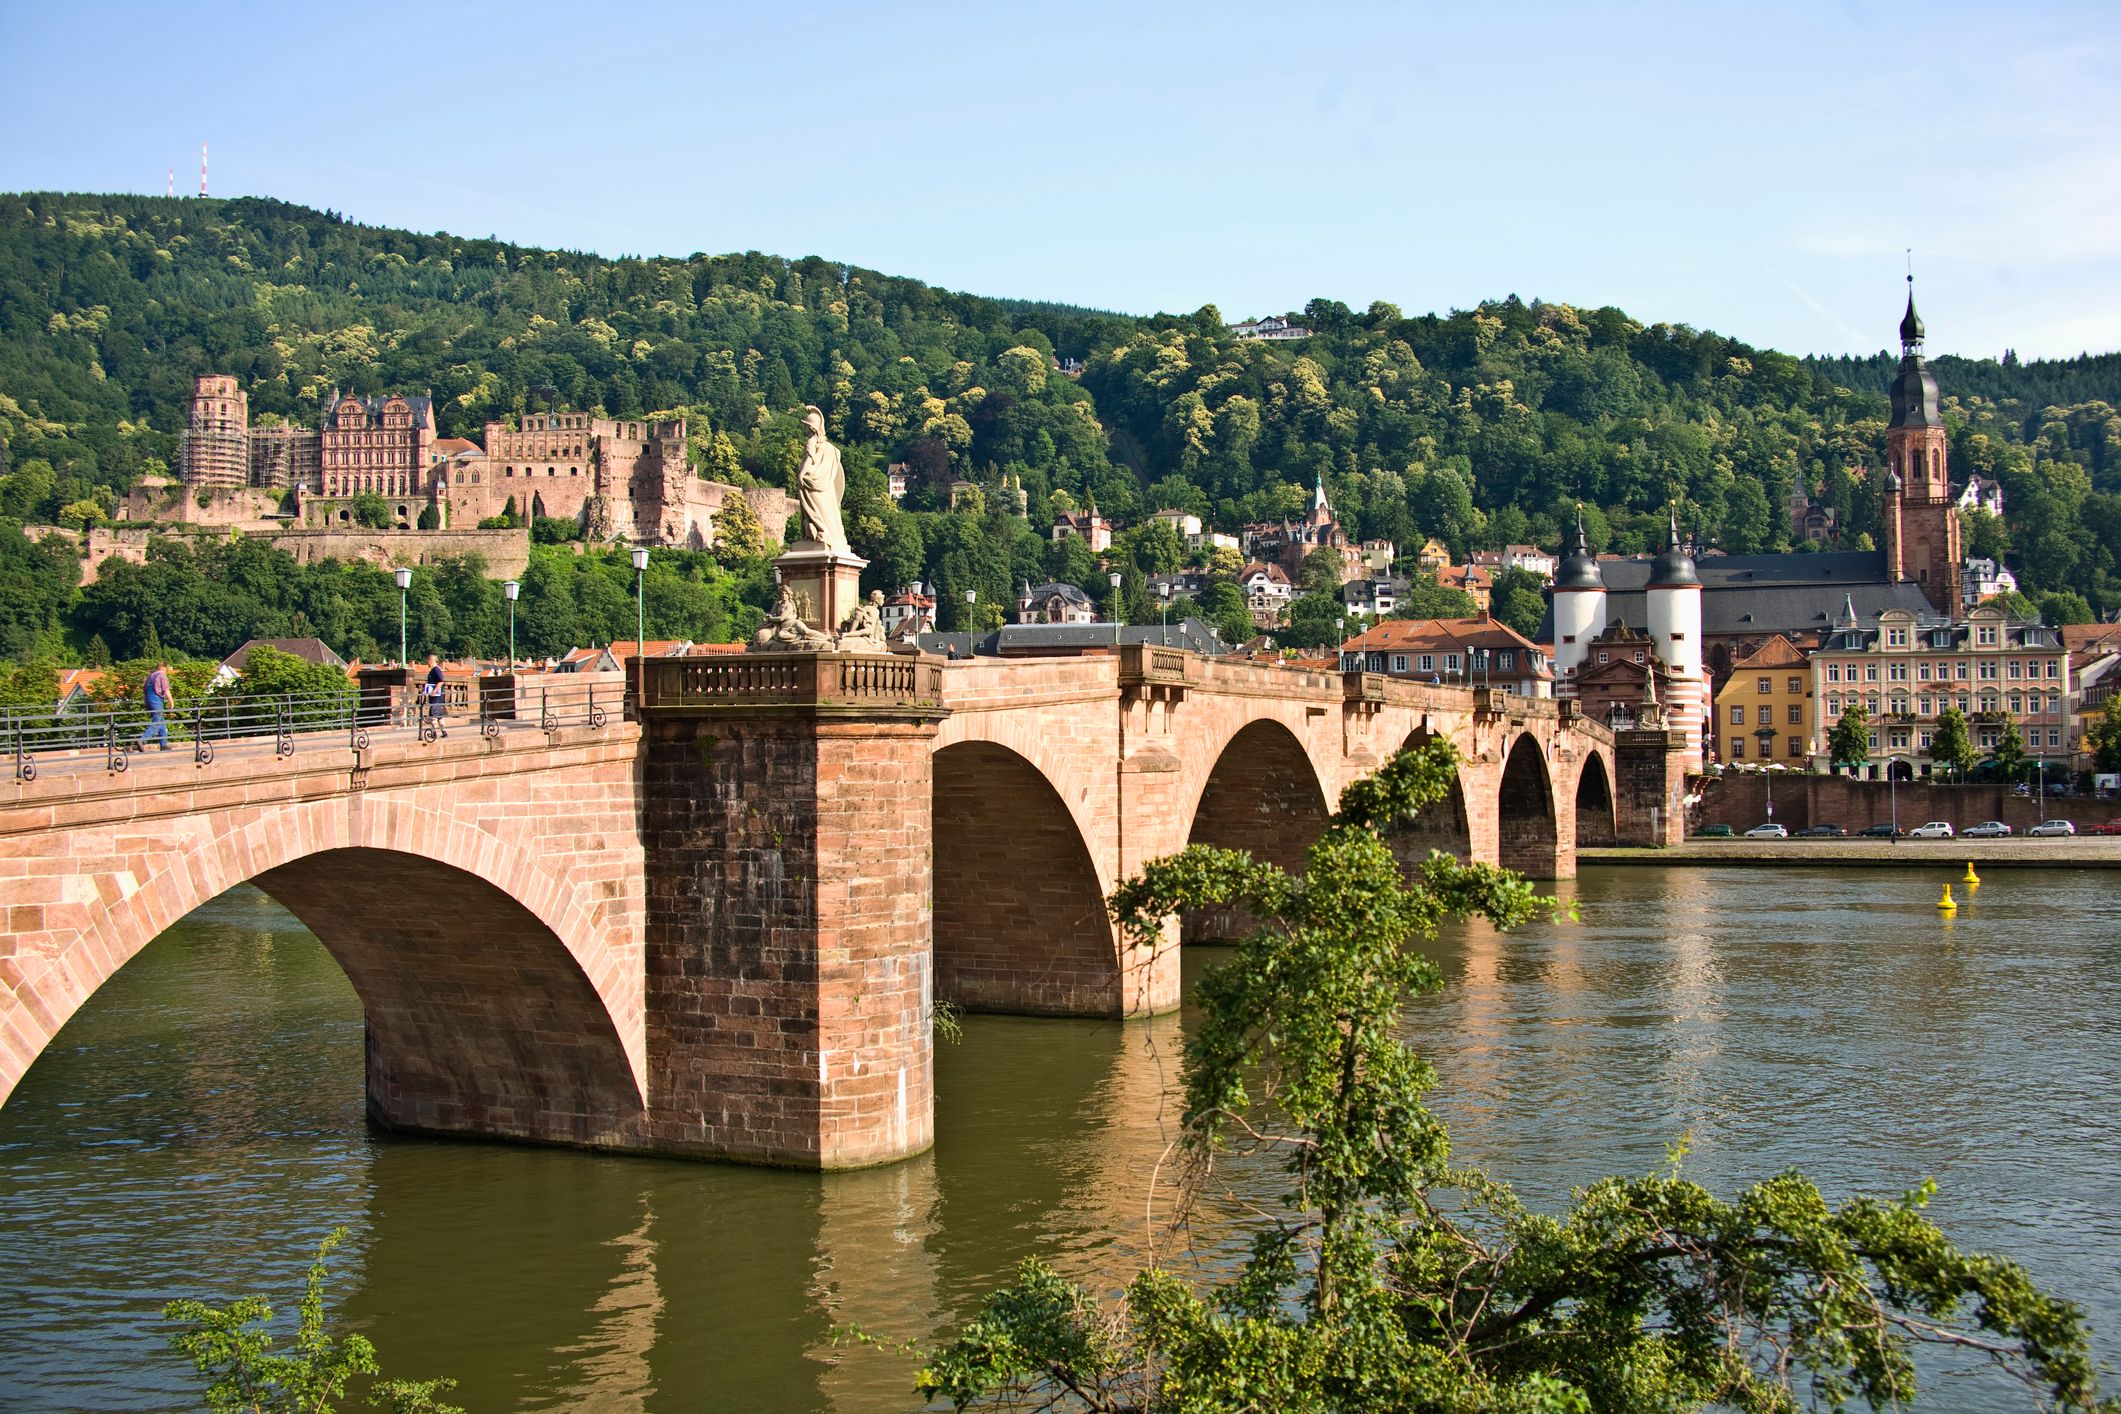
(827, 585)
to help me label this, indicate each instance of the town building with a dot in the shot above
(1185, 523)
(895, 475)
(1273, 327)
(1529, 558)
(1982, 493)
(1433, 558)
(286, 457)
(1812, 519)
(1375, 597)
(1984, 579)
(1764, 708)
(1470, 580)
(1480, 652)
(1054, 604)
(908, 606)
(1268, 590)
(1378, 557)
(1290, 543)
(1904, 668)
(1621, 679)
(1086, 525)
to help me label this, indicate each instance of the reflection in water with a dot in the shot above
(200, 1124)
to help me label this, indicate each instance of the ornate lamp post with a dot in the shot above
(971, 598)
(513, 589)
(640, 603)
(404, 578)
(1113, 580)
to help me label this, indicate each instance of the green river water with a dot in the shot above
(199, 1124)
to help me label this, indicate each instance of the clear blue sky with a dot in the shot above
(1753, 169)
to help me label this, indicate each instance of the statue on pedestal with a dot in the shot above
(821, 483)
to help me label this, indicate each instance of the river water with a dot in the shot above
(199, 1125)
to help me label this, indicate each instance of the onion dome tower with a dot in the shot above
(1579, 610)
(1675, 632)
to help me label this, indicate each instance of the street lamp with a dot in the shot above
(404, 578)
(971, 598)
(1113, 580)
(513, 589)
(640, 603)
(1765, 735)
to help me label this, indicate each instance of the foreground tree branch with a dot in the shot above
(1393, 1280)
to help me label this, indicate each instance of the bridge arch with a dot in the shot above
(1596, 821)
(1528, 833)
(499, 1002)
(1263, 795)
(1445, 825)
(1019, 909)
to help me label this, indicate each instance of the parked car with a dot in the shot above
(1715, 832)
(2058, 788)
(1986, 830)
(1931, 830)
(1769, 831)
(1822, 832)
(2111, 827)
(1881, 832)
(2051, 829)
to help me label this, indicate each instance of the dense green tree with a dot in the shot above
(267, 671)
(1516, 600)
(1396, 1276)
(2102, 739)
(1426, 599)
(2009, 751)
(2064, 606)
(372, 511)
(1848, 745)
(1951, 744)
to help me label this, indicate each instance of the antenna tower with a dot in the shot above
(202, 168)
(172, 181)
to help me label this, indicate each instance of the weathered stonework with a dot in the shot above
(717, 930)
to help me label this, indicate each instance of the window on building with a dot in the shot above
(1601, 655)
(1985, 635)
(1922, 671)
(1426, 663)
(1833, 672)
(1922, 706)
(1399, 662)
(1450, 662)
(1897, 672)
(2017, 670)
(2017, 705)
(1900, 741)
(1962, 670)
(1988, 672)
(1796, 747)
(1963, 700)
(1870, 672)
(1926, 738)
(1796, 687)
(1796, 714)
(1737, 714)
(1896, 638)
(1988, 738)
(2054, 736)
(1507, 659)
(1873, 740)
(2054, 704)
(1737, 748)
(2054, 668)
(1764, 686)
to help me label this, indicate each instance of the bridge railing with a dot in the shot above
(107, 735)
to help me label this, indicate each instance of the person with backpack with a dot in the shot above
(157, 695)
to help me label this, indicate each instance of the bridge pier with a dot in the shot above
(786, 834)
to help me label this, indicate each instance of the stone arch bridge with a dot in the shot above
(716, 929)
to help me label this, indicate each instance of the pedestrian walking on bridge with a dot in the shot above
(156, 693)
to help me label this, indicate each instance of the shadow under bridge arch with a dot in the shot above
(1443, 825)
(1262, 796)
(1594, 803)
(1020, 921)
(1528, 839)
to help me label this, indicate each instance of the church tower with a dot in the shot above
(1922, 534)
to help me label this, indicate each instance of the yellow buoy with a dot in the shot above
(1945, 904)
(1972, 880)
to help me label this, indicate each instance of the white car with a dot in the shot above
(1986, 830)
(2048, 829)
(1933, 830)
(1769, 831)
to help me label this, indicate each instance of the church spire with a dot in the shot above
(1910, 324)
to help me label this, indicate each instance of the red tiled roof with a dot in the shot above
(1777, 652)
(1399, 635)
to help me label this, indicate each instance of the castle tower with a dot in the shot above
(1923, 537)
(1675, 631)
(215, 450)
(1579, 611)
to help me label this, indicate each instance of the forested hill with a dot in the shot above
(1481, 426)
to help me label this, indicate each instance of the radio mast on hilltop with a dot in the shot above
(172, 181)
(202, 167)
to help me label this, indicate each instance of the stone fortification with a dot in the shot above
(506, 552)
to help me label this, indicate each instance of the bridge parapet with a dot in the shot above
(864, 682)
